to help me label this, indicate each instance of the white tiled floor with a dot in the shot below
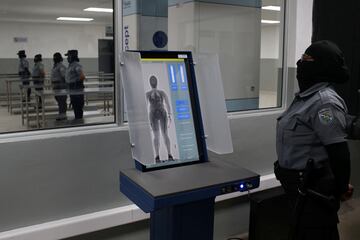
(9, 122)
(267, 99)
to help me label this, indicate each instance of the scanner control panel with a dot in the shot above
(242, 186)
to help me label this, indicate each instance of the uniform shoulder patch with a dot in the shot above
(326, 116)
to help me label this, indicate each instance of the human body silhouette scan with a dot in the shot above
(159, 116)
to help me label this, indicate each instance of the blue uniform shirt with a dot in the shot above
(37, 70)
(58, 73)
(315, 118)
(73, 72)
(23, 65)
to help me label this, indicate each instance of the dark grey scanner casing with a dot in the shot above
(181, 199)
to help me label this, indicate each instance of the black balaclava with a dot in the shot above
(153, 81)
(57, 58)
(328, 65)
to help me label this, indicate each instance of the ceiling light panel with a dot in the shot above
(93, 9)
(272, 8)
(74, 19)
(270, 21)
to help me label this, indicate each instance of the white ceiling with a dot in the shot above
(49, 10)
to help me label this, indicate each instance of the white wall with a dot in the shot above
(131, 31)
(148, 26)
(48, 38)
(138, 31)
(300, 30)
(299, 34)
(270, 65)
(270, 35)
(232, 32)
(304, 26)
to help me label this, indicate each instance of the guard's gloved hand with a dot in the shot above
(339, 157)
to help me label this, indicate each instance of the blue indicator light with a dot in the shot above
(184, 87)
(174, 87)
(182, 74)
(242, 186)
(182, 109)
(182, 102)
(172, 74)
(183, 116)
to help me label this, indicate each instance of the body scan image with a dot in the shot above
(159, 116)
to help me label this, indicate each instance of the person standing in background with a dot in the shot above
(58, 73)
(24, 72)
(38, 75)
(75, 79)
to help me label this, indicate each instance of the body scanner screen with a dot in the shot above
(169, 110)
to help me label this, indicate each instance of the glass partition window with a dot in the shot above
(247, 37)
(56, 64)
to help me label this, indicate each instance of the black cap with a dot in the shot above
(72, 52)
(38, 56)
(21, 52)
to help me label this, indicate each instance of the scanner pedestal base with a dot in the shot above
(190, 221)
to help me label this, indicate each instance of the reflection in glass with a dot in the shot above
(41, 87)
(246, 35)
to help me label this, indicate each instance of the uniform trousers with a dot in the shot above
(26, 82)
(313, 218)
(77, 101)
(38, 82)
(61, 100)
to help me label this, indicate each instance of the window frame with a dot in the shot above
(284, 84)
(119, 124)
(116, 125)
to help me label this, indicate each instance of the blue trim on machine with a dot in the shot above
(197, 112)
(136, 194)
(204, 193)
(148, 203)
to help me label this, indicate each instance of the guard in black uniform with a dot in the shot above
(24, 72)
(75, 80)
(313, 157)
